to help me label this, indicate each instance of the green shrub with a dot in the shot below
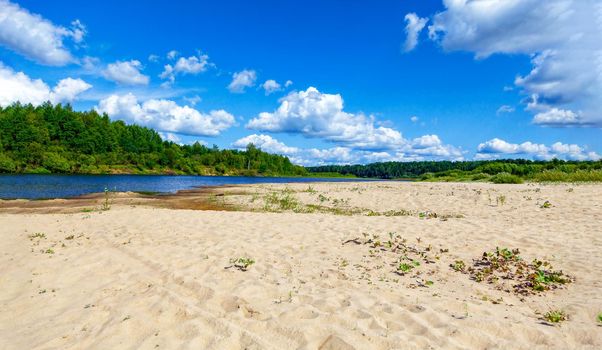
(55, 163)
(506, 178)
(7, 165)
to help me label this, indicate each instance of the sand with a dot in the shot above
(142, 277)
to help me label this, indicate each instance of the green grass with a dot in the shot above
(599, 318)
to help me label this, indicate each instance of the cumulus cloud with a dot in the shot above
(166, 115)
(271, 86)
(126, 73)
(36, 37)
(414, 119)
(242, 80)
(18, 87)
(414, 25)
(315, 114)
(558, 117)
(427, 147)
(319, 115)
(561, 36)
(266, 143)
(496, 148)
(190, 65)
(288, 83)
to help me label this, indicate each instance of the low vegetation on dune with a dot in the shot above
(506, 270)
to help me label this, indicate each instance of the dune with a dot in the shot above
(139, 276)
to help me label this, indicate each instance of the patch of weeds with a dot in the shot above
(285, 200)
(546, 205)
(599, 318)
(501, 200)
(38, 235)
(87, 210)
(505, 269)
(555, 316)
(242, 263)
(49, 251)
(322, 198)
(310, 190)
(458, 266)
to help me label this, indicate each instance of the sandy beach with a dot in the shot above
(152, 274)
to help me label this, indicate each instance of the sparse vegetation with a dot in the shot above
(506, 270)
(555, 316)
(546, 205)
(38, 235)
(242, 263)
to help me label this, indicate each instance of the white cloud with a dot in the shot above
(171, 55)
(191, 65)
(271, 86)
(414, 119)
(68, 89)
(561, 36)
(153, 58)
(18, 87)
(315, 114)
(266, 143)
(166, 115)
(414, 26)
(288, 83)
(242, 80)
(346, 155)
(36, 37)
(495, 148)
(126, 73)
(168, 136)
(504, 109)
(558, 117)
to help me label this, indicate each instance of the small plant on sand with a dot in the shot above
(501, 200)
(241, 263)
(310, 190)
(458, 265)
(555, 316)
(37, 235)
(49, 251)
(546, 205)
(106, 204)
(599, 318)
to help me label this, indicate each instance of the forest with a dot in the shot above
(56, 139)
(497, 171)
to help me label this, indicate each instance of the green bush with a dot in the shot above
(506, 178)
(55, 163)
(7, 165)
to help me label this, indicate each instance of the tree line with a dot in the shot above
(513, 170)
(56, 139)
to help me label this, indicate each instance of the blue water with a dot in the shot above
(65, 186)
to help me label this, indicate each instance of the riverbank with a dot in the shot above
(299, 266)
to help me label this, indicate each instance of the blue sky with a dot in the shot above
(323, 81)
